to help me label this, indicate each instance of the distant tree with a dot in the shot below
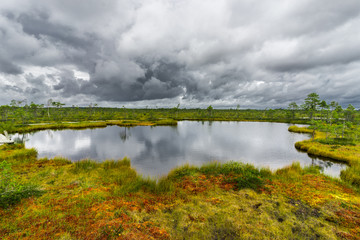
(13, 103)
(293, 107)
(333, 105)
(4, 110)
(350, 113)
(57, 104)
(210, 110)
(176, 109)
(54, 104)
(324, 109)
(312, 101)
(337, 113)
(49, 103)
(33, 108)
(19, 102)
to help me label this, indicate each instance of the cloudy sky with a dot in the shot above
(255, 53)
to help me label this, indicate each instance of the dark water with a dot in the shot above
(155, 151)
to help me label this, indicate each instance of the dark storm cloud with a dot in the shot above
(257, 54)
(8, 88)
(143, 83)
(9, 68)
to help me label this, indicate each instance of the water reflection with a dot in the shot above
(155, 151)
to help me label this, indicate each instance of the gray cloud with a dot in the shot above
(163, 52)
(9, 68)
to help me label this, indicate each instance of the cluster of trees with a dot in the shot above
(314, 105)
(328, 117)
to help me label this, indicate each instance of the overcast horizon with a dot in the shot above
(161, 53)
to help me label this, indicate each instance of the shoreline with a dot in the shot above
(346, 154)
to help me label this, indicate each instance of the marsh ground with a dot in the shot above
(89, 200)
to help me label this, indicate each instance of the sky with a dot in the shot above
(196, 53)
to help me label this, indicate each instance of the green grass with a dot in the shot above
(85, 165)
(351, 175)
(11, 190)
(111, 164)
(337, 141)
(339, 149)
(299, 129)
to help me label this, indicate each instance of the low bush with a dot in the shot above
(11, 192)
(251, 181)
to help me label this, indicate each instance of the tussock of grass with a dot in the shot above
(110, 164)
(85, 165)
(185, 170)
(244, 175)
(351, 175)
(297, 129)
(62, 160)
(17, 152)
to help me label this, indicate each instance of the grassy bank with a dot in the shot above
(109, 200)
(92, 124)
(335, 148)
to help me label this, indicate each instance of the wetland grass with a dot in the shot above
(339, 149)
(109, 200)
(91, 124)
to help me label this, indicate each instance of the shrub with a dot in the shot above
(250, 181)
(11, 192)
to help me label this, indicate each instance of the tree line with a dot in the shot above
(313, 111)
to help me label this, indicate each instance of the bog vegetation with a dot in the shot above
(59, 199)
